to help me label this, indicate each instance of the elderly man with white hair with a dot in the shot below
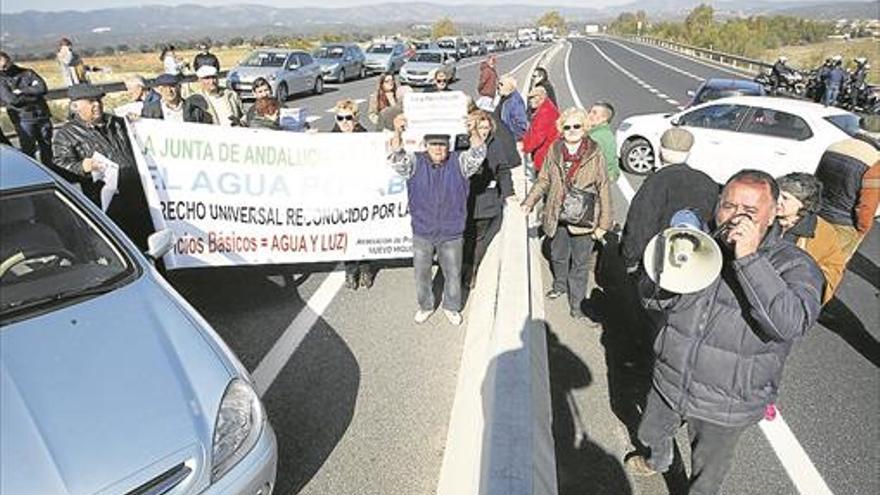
(140, 94)
(511, 108)
(674, 187)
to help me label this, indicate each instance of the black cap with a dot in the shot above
(437, 137)
(84, 92)
(166, 80)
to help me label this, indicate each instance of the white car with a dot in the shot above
(776, 135)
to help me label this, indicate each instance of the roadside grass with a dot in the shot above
(810, 56)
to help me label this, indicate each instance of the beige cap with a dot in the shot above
(675, 145)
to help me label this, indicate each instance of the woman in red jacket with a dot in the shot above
(542, 131)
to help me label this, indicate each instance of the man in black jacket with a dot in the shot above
(205, 57)
(721, 350)
(172, 107)
(75, 146)
(674, 187)
(22, 92)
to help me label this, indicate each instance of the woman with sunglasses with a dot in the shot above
(574, 165)
(384, 97)
(357, 273)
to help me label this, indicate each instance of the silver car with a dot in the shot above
(385, 57)
(421, 68)
(111, 383)
(341, 62)
(288, 71)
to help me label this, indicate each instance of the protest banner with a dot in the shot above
(443, 112)
(236, 196)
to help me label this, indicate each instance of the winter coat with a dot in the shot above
(30, 102)
(591, 174)
(488, 83)
(603, 135)
(73, 70)
(512, 112)
(720, 351)
(492, 183)
(76, 140)
(819, 239)
(373, 112)
(869, 199)
(257, 121)
(542, 132)
(670, 189)
(231, 98)
(840, 171)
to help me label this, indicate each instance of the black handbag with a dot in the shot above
(578, 205)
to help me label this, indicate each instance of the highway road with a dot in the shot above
(360, 396)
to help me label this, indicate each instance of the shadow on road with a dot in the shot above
(311, 402)
(838, 318)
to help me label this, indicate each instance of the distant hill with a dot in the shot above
(33, 31)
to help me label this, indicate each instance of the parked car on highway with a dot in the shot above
(385, 57)
(111, 381)
(777, 135)
(477, 48)
(421, 68)
(421, 45)
(340, 62)
(454, 46)
(288, 71)
(713, 89)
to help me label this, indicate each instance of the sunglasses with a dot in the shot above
(572, 127)
(438, 81)
(342, 118)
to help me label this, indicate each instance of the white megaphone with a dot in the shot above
(683, 259)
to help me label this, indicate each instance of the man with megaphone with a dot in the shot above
(720, 349)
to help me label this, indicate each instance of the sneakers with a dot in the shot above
(351, 281)
(637, 465)
(366, 280)
(553, 294)
(422, 315)
(454, 317)
(770, 412)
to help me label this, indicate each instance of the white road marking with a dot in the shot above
(712, 65)
(788, 450)
(658, 62)
(630, 75)
(286, 345)
(622, 182)
(794, 459)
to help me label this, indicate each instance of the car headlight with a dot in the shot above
(624, 126)
(238, 427)
(403, 71)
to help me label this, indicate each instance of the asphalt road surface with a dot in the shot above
(360, 396)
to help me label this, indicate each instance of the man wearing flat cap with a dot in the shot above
(223, 106)
(171, 106)
(674, 187)
(437, 187)
(76, 147)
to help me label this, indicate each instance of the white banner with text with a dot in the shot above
(237, 196)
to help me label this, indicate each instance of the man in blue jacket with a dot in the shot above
(437, 187)
(23, 93)
(720, 351)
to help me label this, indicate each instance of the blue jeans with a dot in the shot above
(831, 93)
(449, 254)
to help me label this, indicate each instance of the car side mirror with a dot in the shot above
(293, 66)
(159, 243)
(691, 93)
(676, 121)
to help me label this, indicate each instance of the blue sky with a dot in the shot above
(9, 6)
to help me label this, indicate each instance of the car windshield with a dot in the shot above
(446, 44)
(265, 59)
(846, 122)
(379, 49)
(710, 94)
(330, 52)
(51, 253)
(433, 58)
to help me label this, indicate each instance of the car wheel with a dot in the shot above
(283, 95)
(319, 86)
(637, 156)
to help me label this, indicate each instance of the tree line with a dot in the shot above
(747, 37)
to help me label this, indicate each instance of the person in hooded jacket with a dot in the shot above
(23, 92)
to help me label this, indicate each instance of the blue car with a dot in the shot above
(714, 89)
(111, 383)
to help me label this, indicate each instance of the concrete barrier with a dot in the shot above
(500, 439)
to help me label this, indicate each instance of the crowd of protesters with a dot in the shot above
(785, 241)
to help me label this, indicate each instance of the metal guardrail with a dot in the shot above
(743, 63)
